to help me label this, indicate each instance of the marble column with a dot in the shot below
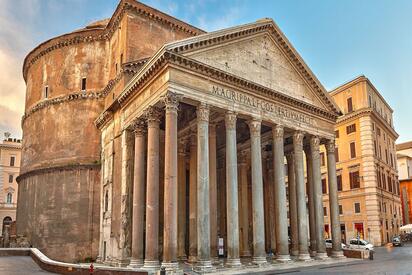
(233, 259)
(259, 253)
(317, 198)
(293, 207)
(193, 199)
(203, 193)
(139, 128)
(244, 205)
(333, 201)
(311, 206)
(282, 244)
(181, 223)
(171, 101)
(300, 196)
(213, 190)
(151, 260)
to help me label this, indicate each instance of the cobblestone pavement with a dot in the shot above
(20, 265)
(387, 260)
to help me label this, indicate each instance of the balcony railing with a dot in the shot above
(8, 205)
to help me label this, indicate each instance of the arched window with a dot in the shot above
(9, 198)
(6, 221)
(106, 201)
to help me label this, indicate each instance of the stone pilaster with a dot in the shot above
(151, 260)
(293, 210)
(170, 238)
(233, 259)
(259, 254)
(333, 201)
(317, 198)
(300, 195)
(139, 129)
(282, 243)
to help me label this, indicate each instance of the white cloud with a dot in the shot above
(228, 19)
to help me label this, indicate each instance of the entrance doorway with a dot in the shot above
(359, 230)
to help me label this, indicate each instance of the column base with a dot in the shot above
(182, 258)
(172, 267)
(245, 254)
(122, 263)
(192, 259)
(99, 259)
(321, 256)
(283, 258)
(337, 254)
(294, 253)
(204, 267)
(259, 260)
(136, 263)
(233, 262)
(313, 253)
(151, 264)
(304, 257)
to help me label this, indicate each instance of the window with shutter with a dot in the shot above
(352, 150)
(339, 182)
(337, 154)
(324, 187)
(350, 105)
(351, 129)
(322, 159)
(354, 180)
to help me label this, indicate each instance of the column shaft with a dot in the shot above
(193, 200)
(300, 195)
(244, 206)
(213, 190)
(333, 201)
(181, 225)
(170, 184)
(152, 190)
(317, 198)
(203, 192)
(259, 254)
(293, 210)
(282, 243)
(138, 194)
(232, 191)
(309, 188)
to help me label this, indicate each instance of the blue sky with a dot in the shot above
(338, 40)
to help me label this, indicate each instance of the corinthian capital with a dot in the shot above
(152, 115)
(298, 139)
(278, 131)
(203, 112)
(138, 126)
(314, 143)
(255, 125)
(230, 120)
(330, 146)
(171, 101)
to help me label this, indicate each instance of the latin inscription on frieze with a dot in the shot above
(257, 103)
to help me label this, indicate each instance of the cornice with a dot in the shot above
(134, 67)
(366, 111)
(66, 167)
(267, 25)
(102, 34)
(211, 72)
(61, 99)
(103, 118)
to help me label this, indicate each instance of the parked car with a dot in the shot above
(396, 241)
(329, 244)
(360, 244)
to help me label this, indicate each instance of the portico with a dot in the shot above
(209, 115)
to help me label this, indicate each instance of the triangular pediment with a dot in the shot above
(259, 53)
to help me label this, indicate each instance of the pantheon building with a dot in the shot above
(149, 142)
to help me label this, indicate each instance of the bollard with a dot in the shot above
(371, 255)
(162, 270)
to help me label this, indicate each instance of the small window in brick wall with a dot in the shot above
(83, 84)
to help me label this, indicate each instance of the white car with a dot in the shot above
(360, 244)
(329, 244)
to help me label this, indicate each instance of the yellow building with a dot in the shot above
(10, 152)
(368, 185)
